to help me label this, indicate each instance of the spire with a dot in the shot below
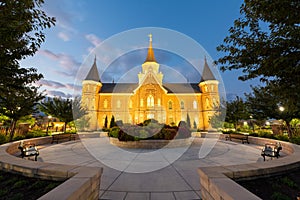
(150, 55)
(207, 73)
(93, 74)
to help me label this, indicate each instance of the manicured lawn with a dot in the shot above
(13, 186)
(281, 187)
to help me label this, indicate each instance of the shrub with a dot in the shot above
(143, 134)
(3, 139)
(114, 132)
(125, 137)
(295, 140)
(169, 133)
(282, 137)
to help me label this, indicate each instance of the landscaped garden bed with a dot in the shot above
(14, 186)
(283, 187)
(149, 130)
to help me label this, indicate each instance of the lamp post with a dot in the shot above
(281, 108)
(251, 122)
(49, 118)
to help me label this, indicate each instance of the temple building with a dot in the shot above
(150, 98)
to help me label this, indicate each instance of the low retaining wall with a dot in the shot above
(80, 182)
(218, 182)
(151, 144)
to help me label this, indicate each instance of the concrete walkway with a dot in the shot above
(149, 174)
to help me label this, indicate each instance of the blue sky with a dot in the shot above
(84, 24)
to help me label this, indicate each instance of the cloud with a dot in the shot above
(67, 62)
(64, 36)
(55, 93)
(93, 39)
(58, 85)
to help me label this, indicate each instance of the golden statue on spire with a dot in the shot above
(150, 37)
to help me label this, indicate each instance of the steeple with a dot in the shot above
(93, 74)
(207, 73)
(150, 55)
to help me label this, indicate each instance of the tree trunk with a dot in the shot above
(65, 128)
(288, 126)
(12, 130)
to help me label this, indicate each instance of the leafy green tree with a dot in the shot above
(21, 26)
(112, 122)
(264, 104)
(66, 110)
(236, 110)
(265, 43)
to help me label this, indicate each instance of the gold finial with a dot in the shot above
(150, 37)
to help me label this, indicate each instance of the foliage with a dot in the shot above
(112, 122)
(195, 125)
(265, 43)
(105, 122)
(66, 110)
(264, 104)
(188, 120)
(21, 26)
(236, 110)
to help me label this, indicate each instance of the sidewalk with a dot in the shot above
(173, 179)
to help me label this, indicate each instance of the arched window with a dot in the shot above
(118, 104)
(195, 104)
(182, 104)
(158, 102)
(105, 103)
(130, 103)
(170, 105)
(150, 101)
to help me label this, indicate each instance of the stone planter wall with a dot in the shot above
(217, 182)
(80, 182)
(151, 144)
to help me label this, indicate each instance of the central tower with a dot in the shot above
(150, 65)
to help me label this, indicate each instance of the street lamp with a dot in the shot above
(49, 118)
(281, 108)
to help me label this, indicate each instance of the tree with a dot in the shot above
(188, 120)
(65, 110)
(217, 120)
(105, 122)
(236, 110)
(264, 104)
(21, 25)
(265, 43)
(112, 122)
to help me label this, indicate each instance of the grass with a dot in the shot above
(14, 186)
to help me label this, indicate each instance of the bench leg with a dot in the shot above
(264, 157)
(36, 157)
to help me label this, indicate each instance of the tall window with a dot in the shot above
(195, 104)
(118, 104)
(142, 102)
(182, 104)
(158, 101)
(170, 105)
(207, 102)
(150, 101)
(130, 103)
(105, 103)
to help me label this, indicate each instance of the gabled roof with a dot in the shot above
(182, 87)
(118, 87)
(207, 73)
(130, 87)
(93, 74)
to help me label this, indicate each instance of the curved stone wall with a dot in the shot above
(151, 144)
(80, 182)
(218, 182)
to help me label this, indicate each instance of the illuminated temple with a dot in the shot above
(150, 98)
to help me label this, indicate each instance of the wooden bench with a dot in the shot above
(63, 136)
(271, 150)
(28, 150)
(237, 136)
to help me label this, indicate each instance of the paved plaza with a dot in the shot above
(169, 173)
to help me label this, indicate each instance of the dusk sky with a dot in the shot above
(82, 25)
